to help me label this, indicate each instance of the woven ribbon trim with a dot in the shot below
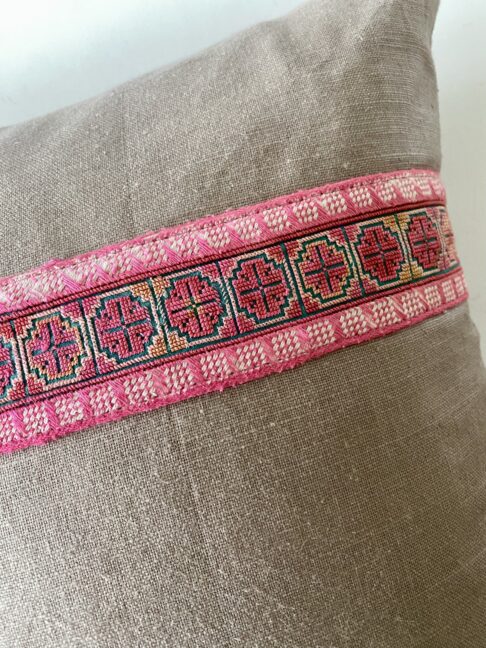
(221, 301)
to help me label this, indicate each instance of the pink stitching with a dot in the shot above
(217, 369)
(62, 277)
(48, 340)
(151, 322)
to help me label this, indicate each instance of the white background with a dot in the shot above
(56, 52)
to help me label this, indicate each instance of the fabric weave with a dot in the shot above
(341, 504)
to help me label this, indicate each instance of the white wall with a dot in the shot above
(56, 52)
(460, 56)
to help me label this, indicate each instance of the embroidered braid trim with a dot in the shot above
(221, 301)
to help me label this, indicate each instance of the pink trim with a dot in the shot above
(220, 301)
(216, 369)
(87, 338)
(229, 232)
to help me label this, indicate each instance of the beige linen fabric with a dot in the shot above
(338, 505)
(336, 90)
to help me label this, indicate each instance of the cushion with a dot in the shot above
(261, 484)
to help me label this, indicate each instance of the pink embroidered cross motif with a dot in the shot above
(124, 326)
(194, 306)
(260, 287)
(54, 348)
(380, 252)
(324, 268)
(424, 241)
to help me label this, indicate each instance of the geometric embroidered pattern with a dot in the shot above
(124, 326)
(273, 286)
(324, 269)
(193, 306)
(54, 347)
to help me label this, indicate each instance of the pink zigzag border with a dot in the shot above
(217, 369)
(217, 235)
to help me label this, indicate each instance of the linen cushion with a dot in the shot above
(338, 504)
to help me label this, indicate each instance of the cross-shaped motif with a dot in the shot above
(324, 269)
(124, 326)
(54, 348)
(194, 306)
(326, 265)
(380, 253)
(260, 287)
(424, 241)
